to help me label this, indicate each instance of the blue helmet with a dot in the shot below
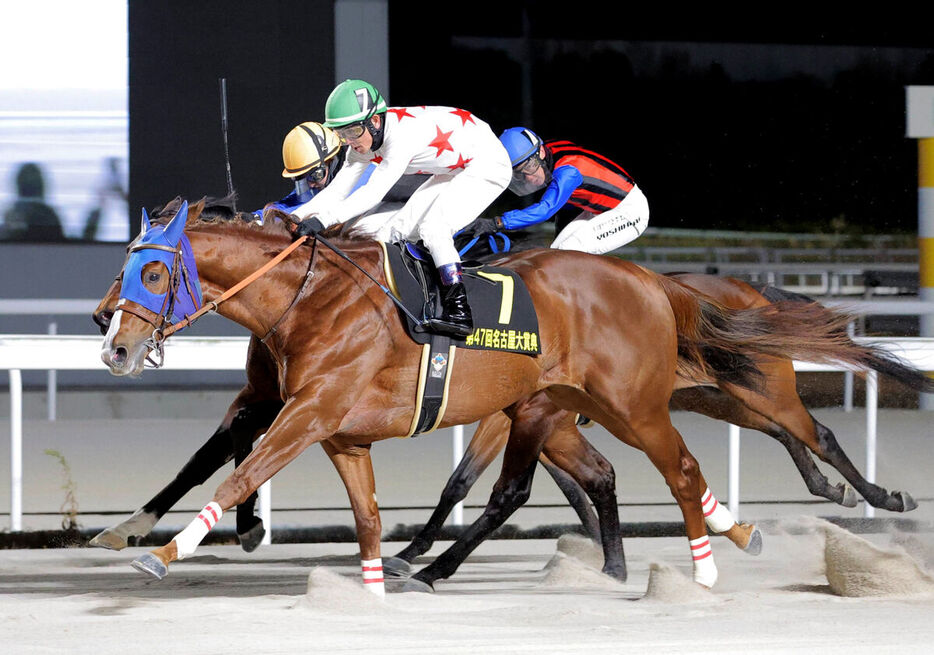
(521, 143)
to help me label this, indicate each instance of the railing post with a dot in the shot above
(733, 472)
(52, 382)
(16, 450)
(457, 448)
(848, 376)
(872, 400)
(264, 500)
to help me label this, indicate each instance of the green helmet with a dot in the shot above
(352, 101)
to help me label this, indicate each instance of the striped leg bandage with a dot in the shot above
(719, 518)
(705, 571)
(373, 575)
(188, 539)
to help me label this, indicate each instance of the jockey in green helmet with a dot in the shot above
(467, 167)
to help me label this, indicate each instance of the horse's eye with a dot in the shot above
(153, 277)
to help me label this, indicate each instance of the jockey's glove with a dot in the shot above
(307, 227)
(481, 226)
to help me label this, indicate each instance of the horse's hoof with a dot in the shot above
(617, 572)
(414, 584)
(396, 567)
(252, 538)
(109, 540)
(850, 499)
(908, 503)
(754, 547)
(149, 563)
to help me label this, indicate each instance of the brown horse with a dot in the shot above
(348, 377)
(258, 403)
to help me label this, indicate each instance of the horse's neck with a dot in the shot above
(226, 260)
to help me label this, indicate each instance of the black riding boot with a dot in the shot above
(456, 319)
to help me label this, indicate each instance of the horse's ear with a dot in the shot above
(173, 231)
(144, 227)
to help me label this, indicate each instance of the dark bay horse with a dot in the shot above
(356, 332)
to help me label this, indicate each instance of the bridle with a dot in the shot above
(161, 320)
(181, 274)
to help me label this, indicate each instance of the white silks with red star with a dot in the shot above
(468, 165)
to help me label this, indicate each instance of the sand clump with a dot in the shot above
(581, 548)
(566, 571)
(668, 585)
(333, 593)
(578, 563)
(855, 567)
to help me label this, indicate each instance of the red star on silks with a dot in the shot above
(461, 162)
(464, 115)
(441, 141)
(377, 159)
(400, 113)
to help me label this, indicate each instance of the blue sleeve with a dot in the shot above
(288, 203)
(563, 182)
(364, 178)
(294, 200)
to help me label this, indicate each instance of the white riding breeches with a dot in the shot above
(442, 206)
(601, 233)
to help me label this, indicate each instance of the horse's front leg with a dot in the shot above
(355, 467)
(301, 423)
(241, 426)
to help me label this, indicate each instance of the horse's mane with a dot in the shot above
(223, 212)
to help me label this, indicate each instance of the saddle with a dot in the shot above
(503, 313)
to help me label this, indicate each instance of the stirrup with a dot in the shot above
(450, 329)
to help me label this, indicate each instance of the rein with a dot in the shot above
(211, 306)
(398, 303)
(158, 320)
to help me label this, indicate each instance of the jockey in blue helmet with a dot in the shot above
(614, 210)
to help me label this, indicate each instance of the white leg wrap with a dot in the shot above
(719, 518)
(188, 539)
(373, 575)
(705, 571)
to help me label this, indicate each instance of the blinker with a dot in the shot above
(164, 244)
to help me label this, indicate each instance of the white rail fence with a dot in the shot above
(29, 352)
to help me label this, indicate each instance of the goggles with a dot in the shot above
(520, 184)
(315, 176)
(529, 166)
(350, 132)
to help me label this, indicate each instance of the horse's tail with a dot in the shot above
(789, 328)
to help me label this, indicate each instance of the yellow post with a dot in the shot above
(926, 239)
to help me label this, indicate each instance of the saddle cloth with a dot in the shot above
(504, 320)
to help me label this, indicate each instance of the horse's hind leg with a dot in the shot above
(576, 496)
(486, 444)
(648, 427)
(782, 405)
(568, 449)
(527, 434)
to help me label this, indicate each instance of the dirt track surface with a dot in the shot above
(505, 599)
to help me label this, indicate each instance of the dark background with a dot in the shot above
(787, 150)
(278, 59)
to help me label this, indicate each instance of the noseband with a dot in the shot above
(160, 319)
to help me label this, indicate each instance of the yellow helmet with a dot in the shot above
(306, 146)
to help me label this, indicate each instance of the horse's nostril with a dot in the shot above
(119, 356)
(103, 319)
